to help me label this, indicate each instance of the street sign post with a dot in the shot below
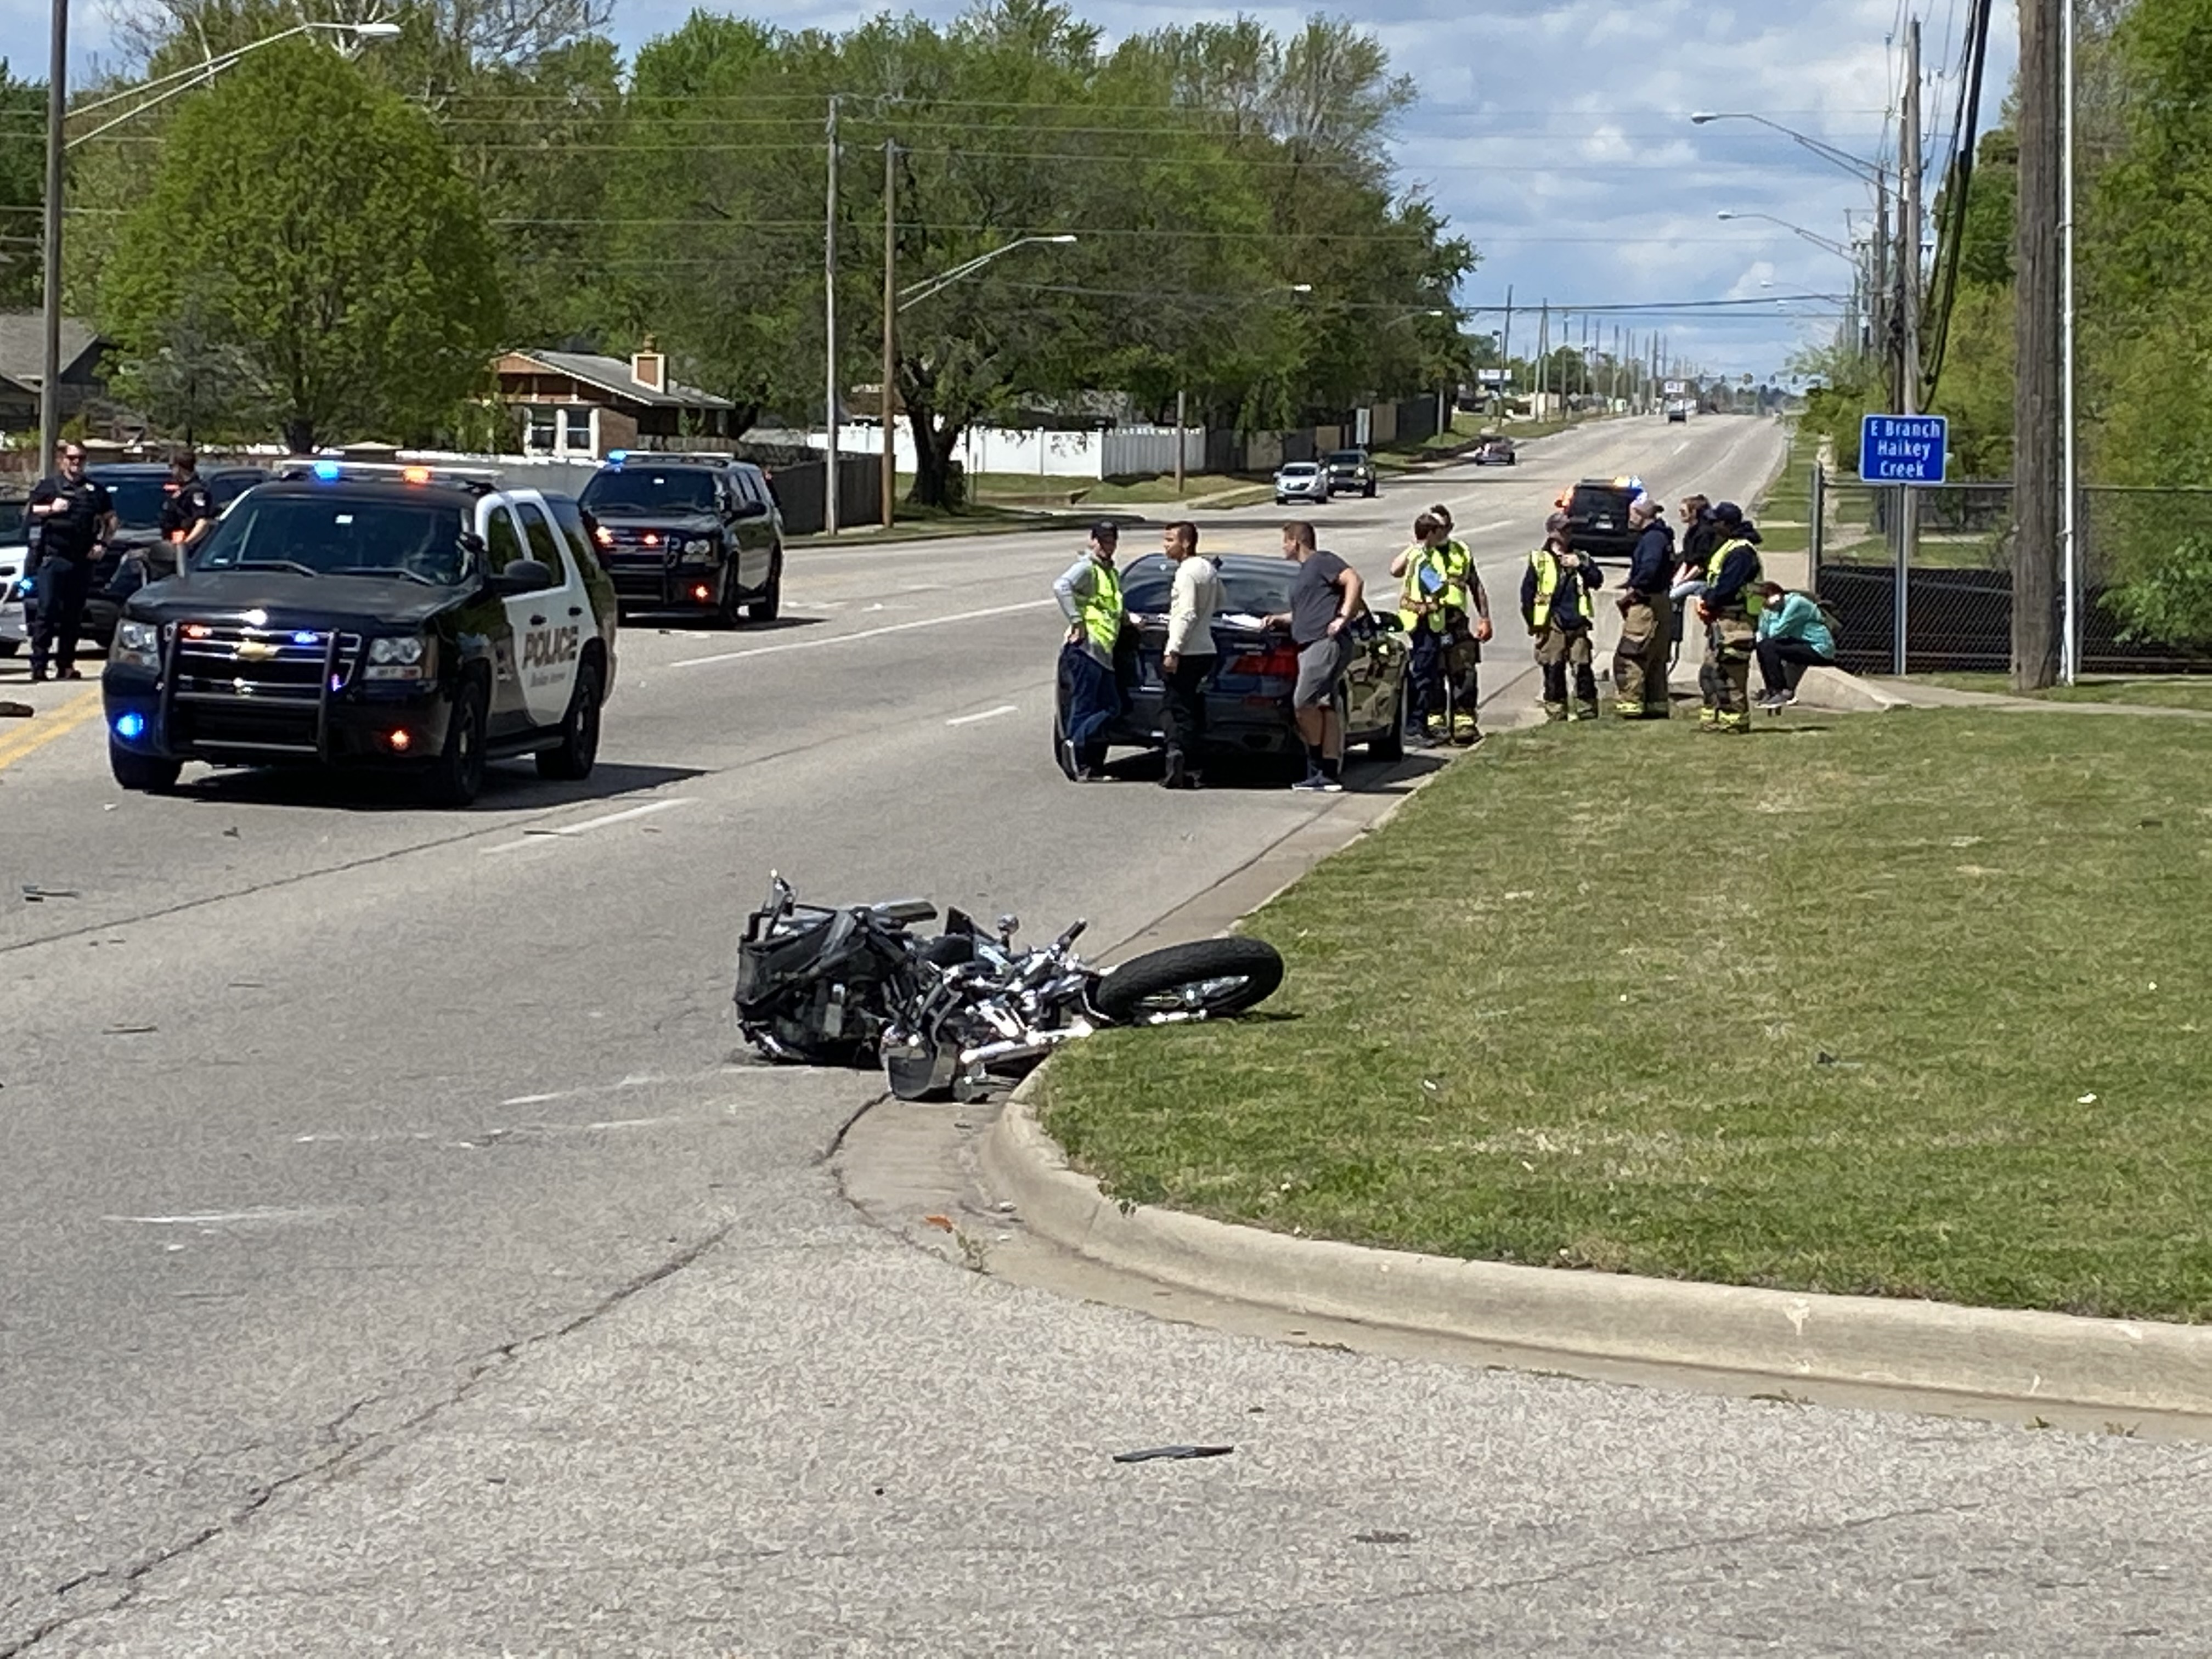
(1903, 449)
(1494, 376)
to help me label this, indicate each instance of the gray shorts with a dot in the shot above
(1321, 666)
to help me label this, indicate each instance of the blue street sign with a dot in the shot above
(1903, 449)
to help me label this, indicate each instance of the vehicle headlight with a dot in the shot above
(412, 657)
(700, 546)
(137, 643)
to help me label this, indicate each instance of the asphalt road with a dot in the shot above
(399, 1257)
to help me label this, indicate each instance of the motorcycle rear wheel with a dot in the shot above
(1208, 979)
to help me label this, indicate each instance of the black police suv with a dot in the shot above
(1350, 469)
(344, 615)
(1598, 518)
(689, 532)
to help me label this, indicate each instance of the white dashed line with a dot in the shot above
(987, 715)
(590, 824)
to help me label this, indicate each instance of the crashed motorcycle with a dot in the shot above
(961, 1011)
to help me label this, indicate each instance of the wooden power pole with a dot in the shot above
(2036, 440)
(890, 336)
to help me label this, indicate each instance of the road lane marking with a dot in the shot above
(865, 634)
(223, 1218)
(532, 837)
(987, 715)
(46, 728)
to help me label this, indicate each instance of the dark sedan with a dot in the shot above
(135, 554)
(1248, 703)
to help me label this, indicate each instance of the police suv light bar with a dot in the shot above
(329, 468)
(670, 457)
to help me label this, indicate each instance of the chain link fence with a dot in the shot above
(1955, 614)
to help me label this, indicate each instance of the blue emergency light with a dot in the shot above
(617, 456)
(130, 727)
(327, 470)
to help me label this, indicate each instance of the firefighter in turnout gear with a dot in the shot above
(1438, 582)
(1729, 608)
(1647, 617)
(1555, 604)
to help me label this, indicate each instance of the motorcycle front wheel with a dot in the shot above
(1207, 979)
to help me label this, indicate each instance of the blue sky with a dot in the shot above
(1557, 137)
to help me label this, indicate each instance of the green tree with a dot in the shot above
(22, 186)
(334, 250)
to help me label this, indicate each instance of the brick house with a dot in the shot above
(581, 405)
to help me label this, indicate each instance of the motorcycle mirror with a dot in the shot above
(1009, 926)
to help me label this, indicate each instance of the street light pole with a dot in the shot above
(891, 331)
(830, 401)
(50, 379)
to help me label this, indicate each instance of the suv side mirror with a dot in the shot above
(523, 576)
(748, 510)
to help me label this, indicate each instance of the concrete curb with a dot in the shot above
(1832, 689)
(1853, 1341)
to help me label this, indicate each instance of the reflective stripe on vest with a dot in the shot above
(1102, 607)
(1453, 562)
(1753, 600)
(1547, 583)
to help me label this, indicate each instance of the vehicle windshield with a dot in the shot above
(1347, 457)
(138, 497)
(335, 535)
(1148, 587)
(651, 490)
(1595, 498)
(1299, 469)
(11, 521)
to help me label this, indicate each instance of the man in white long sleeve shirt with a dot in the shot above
(1187, 667)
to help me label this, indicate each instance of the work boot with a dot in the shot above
(1583, 711)
(1733, 722)
(1555, 711)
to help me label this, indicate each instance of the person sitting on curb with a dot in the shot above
(1555, 604)
(1794, 635)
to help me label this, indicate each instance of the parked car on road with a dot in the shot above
(689, 532)
(1350, 469)
(1302, 481)
(14, 553)
(1598, 518)
(358, 616)
(135, 554)
(1495, 449)
(1247, 702)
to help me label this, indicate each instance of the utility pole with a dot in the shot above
(1505, 346)
(1885, 338)
(50, 377)
(1908, 288)
(1181, 417)
(2069, 499)
(2037, 412)
(830, 476)
(1543, 356)
(890, 334)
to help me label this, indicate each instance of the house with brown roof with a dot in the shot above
(579, 404)
(22, 367)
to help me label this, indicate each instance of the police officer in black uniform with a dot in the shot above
(74, 516)
(187, 510)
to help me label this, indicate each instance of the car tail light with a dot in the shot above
(1280, 664)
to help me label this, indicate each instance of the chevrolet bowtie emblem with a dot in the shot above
(255, 650)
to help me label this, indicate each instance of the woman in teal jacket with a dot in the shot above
(1793, 636)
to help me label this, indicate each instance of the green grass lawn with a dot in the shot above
(1924, 1014)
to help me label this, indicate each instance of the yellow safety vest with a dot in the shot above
(1753, 600)
(1452, 563)
(1547, 583)
(1102, 608)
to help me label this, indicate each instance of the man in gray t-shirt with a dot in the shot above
(1326, 594)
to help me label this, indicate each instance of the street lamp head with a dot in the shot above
(1724, 214)
(374, 31)
(1703, 116)
(1061, 241)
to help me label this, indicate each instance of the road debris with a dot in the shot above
(34, 894)
(1158, 1454)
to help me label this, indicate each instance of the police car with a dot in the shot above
(348, 615)
(689, 532)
